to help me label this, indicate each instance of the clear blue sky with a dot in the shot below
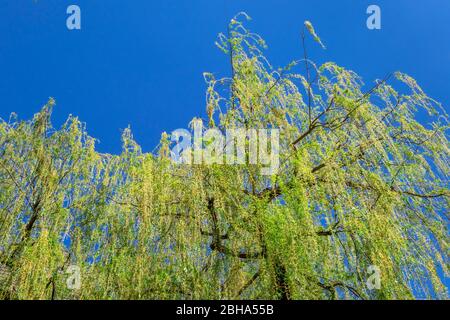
(140, 63)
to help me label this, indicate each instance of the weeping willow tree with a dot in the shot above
(361, 183)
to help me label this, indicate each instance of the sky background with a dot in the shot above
(140, 62)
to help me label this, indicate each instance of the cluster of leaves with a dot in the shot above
(361, 183)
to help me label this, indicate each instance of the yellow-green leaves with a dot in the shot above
(311, 30)
(365, 186)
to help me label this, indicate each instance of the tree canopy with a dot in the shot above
(362, 182)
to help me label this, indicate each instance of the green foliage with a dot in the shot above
(362, 183)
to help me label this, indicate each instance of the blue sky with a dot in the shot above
(140, 62)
